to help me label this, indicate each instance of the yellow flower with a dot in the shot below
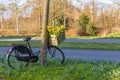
(55, 30)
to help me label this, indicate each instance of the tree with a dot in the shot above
(91, 29)
(43, 52)
(15, 13)
(118, 13)
(37, 11)
(83, 21)
(65, 12)
(1, 16)
(58, 12)
(93, 8)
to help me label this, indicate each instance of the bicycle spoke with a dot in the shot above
(55, 54)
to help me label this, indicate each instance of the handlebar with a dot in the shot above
(27, 38)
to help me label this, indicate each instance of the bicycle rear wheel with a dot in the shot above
(56, 54)
(12, 59)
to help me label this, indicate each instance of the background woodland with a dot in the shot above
(79, 18)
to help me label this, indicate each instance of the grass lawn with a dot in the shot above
(71, 45)
(92, 46)
(70, 70)
(112, 35)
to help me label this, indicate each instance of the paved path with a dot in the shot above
(93, 54)
(84, 54)
(70, 40)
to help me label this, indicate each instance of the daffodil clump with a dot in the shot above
(55, 30)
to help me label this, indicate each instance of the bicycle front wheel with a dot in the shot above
(56, 54)
(12, 59)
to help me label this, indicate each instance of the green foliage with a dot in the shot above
(55, 30)
(83, 21)
(90, 29)
(57, 21)
(86, 25)
(70, 70)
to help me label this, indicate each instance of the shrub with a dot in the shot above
(90, 29)
(83, 21)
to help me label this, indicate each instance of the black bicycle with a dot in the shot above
(21, 54)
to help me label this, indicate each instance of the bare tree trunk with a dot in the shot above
(40, 17)
(117, 18)
(92, 14)
(2, 9)
(65, 10)
(2, 23)
(17, 27)
(43, 53)
(102, 20)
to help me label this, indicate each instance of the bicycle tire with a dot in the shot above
(56, 54)
(12, 60)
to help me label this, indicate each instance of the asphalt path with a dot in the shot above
(70, 40)
(80, 54)
(90, 55)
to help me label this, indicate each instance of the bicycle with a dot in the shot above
(22, 54)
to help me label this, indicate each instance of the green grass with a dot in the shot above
(70, 70)
(83, 37)
(8, 43)
(91, 46)
(71, 45)
(111, 36)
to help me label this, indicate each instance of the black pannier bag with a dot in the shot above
(22, 49)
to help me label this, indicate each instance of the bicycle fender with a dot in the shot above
(7, 52)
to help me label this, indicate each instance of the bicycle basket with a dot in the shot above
(57, 39)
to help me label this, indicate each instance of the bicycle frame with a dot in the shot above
(29, 46)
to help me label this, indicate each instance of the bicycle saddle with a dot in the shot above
(27, 38)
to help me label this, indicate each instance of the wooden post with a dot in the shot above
(44, 36)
